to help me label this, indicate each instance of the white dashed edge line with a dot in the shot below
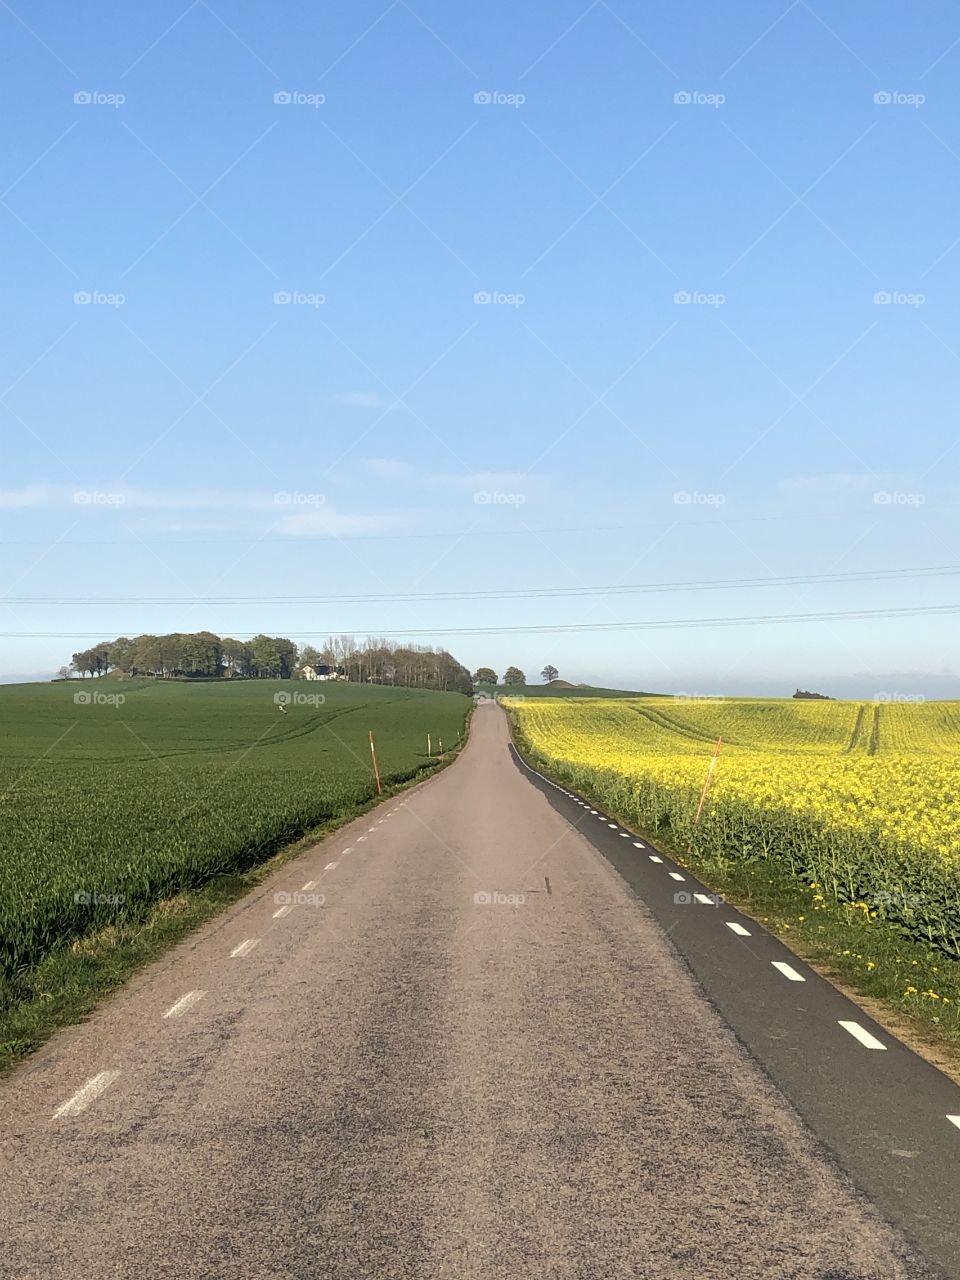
(738, 929)
(653, 858)
(789, 972)
(862, 1034)
(331, 866)
(311, 884)
(282, 911)
(954, 1120)
(244, 948)
(86, 1094)
(184, 1003)
(704, 899)
(675, 875)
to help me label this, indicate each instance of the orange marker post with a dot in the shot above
(706, 786)
(376, 771)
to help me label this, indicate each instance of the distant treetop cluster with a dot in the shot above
(203, 655)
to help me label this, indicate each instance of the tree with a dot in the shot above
(513, 675)
(64, 674)
(484, 675)
(549, 673)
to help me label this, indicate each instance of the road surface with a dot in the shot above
(482, 1055)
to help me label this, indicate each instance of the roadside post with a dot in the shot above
(376, 771)
(706, 788)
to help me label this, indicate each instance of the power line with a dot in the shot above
(557, 628)
(518, 593)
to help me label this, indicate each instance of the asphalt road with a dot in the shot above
(482, 1055)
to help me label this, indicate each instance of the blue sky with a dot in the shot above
(182, 435)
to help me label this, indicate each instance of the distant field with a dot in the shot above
(106, 807)
(861, 800)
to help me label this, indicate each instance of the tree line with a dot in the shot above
(204, 655)
(512, 675)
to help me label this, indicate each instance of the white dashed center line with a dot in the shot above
(593, 811)
(789, 972)
(704, 899)
(84, 1096)
(862, 1034)
(954, 1120)
(624, 835)
(244, 948)
(675, 875)
(739, 929)
(282, 911)
(330, 866)
(653, 858)
(611, 824)
(311, 884)
(345, 851)
(184, 1003)
(360, 839)
(638, 844)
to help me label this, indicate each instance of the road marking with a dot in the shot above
(283, 911)
(371, 828)
(244, 948)
(704, 899)
(739, 929)
(330, 866)
(675, 875)
(638, 844)
(593, 811)
(789, 972)
(85, 1095)
(954, 1120)
(862, 1034)
(624, 835)
(184, 1003)
(360, 839)
(346, 851)
(311, 884)
(611, 824)
(654, 858)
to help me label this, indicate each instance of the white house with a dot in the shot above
(321, 672)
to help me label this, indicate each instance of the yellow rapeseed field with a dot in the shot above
(861, 799)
